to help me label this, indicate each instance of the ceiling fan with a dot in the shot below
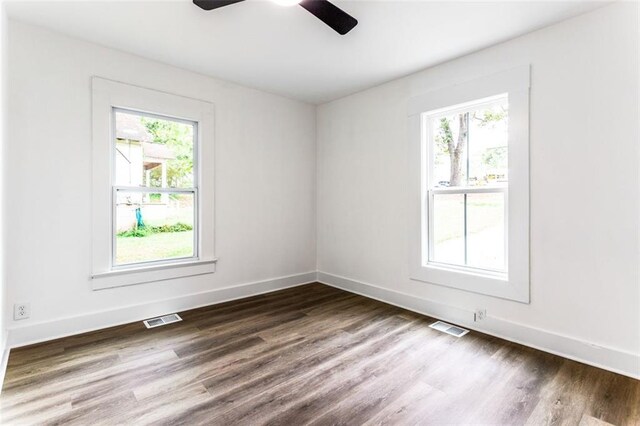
(327, 12)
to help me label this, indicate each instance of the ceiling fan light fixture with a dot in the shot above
(286, 2)
(339, 20)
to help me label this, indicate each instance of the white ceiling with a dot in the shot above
(288, 51)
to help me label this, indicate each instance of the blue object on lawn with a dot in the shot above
(139, 218)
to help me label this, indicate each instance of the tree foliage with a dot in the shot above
(456, 147)
(495, 158)
(489, 117)
(179, 138)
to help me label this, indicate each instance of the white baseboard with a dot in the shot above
(611, 359)
(40, 332)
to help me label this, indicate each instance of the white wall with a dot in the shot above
(4, 34)
(584, 189)
(265, 186)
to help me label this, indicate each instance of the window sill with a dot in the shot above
(498, 285)
(467, 271)
(126, 277)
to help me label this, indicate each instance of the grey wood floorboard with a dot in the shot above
(306, 355)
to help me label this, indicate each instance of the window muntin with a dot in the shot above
(155, 194)
(467, 186)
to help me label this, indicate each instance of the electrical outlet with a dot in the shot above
(479, 315)
(21, 311)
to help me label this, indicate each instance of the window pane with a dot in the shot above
(153, 152)
(449, 147)
(153, 227)
(470, 146)
(448, 229)
(486, 231)
(488, 135)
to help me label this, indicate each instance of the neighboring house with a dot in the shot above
(136, 156)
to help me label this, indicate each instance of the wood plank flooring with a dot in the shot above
(307, 355)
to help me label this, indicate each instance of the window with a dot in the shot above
(152, 185)
(154, 190)
(467, 182)
(470, 180)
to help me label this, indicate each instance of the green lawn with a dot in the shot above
(166, 245)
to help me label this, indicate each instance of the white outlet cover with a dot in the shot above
(21, 311)
(480, 314)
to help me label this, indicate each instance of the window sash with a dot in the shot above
(430, 203)
(147, 190)
(469, 189)
(153, 190)
(470, 106)
(196, 136)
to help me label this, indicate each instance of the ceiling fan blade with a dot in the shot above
(214, 4)
(331, 15)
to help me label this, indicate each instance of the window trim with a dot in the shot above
(109, 96)
(514, 285)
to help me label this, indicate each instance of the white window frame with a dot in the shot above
(155, 190)
(431, 190)
(110, 96)
(514, 283)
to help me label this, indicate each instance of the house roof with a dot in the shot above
(128, 126)
(157, 150)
